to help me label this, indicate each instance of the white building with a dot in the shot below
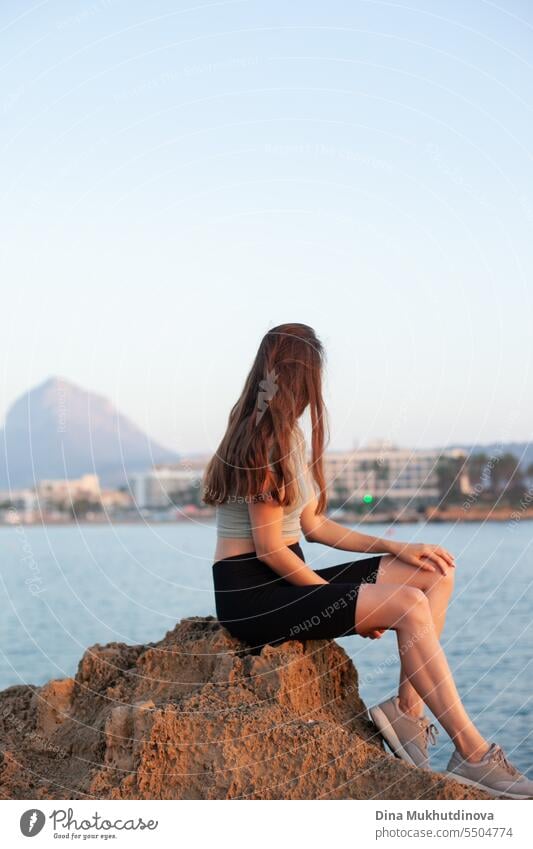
(384, 475)
(162, 486)
(63, 492)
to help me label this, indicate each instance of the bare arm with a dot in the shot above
(266, 518)
(326, 531)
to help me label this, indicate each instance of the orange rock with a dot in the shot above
(201, 716)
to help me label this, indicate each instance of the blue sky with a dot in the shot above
(178, 177)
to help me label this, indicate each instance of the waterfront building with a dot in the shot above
(385, 476)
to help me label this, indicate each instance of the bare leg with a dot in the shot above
(406, 610)
(437, 589)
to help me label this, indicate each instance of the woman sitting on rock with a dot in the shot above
(265, 496)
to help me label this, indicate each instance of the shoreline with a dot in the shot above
(431, 516)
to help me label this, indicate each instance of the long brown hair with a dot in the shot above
(256, 455)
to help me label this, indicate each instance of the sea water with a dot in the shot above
(64, 588)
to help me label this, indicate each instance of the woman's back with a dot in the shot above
(234, 531)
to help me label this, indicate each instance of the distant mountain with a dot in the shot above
(59, 430)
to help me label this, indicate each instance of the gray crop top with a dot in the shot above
(233, 517)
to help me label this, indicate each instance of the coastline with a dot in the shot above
(431, 515)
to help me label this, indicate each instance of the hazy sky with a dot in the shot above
(177, 177)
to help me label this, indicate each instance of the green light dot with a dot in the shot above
(368, 498)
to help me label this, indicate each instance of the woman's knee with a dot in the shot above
(391, 606)
(415, 609)
(443, 583)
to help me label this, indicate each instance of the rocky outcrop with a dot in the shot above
(201, 716)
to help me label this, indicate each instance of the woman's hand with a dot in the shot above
(375, 634)
(431, 558)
